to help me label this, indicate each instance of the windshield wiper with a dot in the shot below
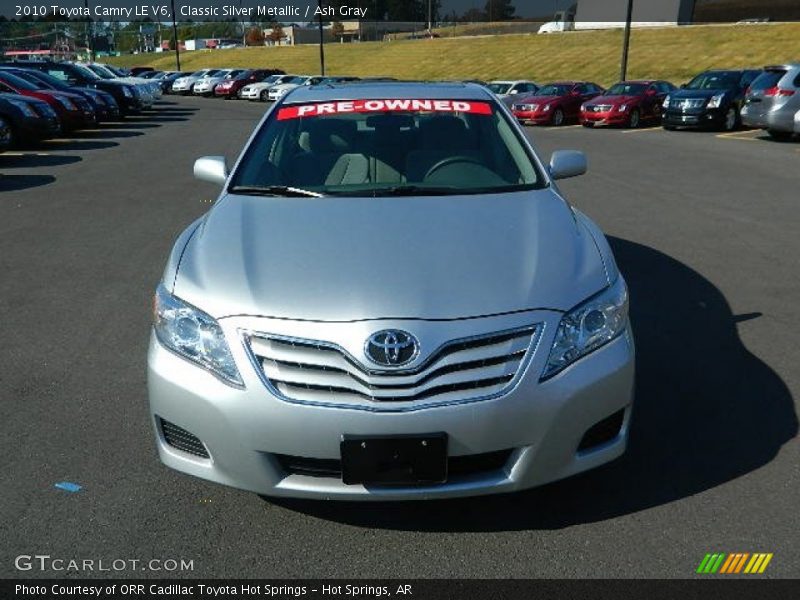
(274, 190)
(414, 190)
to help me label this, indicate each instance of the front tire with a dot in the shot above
(731, 119)
(634, 120)
(558, 118)
(6, 135)
(264, 96)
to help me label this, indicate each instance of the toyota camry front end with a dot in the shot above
(390, 299)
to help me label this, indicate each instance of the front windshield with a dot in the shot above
(234, 74)
(84, 72)
(212, 73)
(554, 90)
(372, 147)
(714, 80)
(18, 82)
(499, 88)
(626, 89)
(101, 72)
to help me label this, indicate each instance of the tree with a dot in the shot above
(473, 15)
(499, 10)
(254, 37)
(337, 30)
(276, 35)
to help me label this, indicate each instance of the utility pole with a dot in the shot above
(89, 33)
(175, 38)
(430, 19)
(627, 42)
(321, 41)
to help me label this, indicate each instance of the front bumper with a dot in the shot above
(708, 118)
(541, 424)
(533, 118)
(32, 129)
(599, 119)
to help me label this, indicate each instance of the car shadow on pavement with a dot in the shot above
(36, 159)
(107, 133)
(707, 411)
(16, 183)
(77, 144)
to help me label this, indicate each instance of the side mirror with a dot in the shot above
(212, 169)
(567, 163)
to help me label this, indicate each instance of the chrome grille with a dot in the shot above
(691, 103)
(601, 107)
(464, 369)
(526, 107)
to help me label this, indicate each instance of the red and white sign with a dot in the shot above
(364, 106)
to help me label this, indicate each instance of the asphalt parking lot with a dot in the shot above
(704, 227)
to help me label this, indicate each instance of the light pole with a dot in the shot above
(430, 19)
(627, 42)
(175, 38)
(321, 41)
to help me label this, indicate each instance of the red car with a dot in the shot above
(74, 111)
(229, 88)
(555, 103)
(627, 103)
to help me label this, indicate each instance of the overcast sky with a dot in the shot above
(525, 8)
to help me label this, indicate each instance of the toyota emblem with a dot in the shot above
(391, 348)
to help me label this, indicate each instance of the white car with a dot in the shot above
(276, 92)
(260, 89)
(184, 85)
(205, 86)
(557, 27)
(506, 90)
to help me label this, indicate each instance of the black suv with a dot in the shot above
(712, 100)
(126, 95)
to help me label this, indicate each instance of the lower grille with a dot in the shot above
(182, 440)
(602, 431)
(457, 466)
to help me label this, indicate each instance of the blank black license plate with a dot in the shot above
(396, 460)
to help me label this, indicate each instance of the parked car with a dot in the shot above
(557, 27)
(73, 111)
(103, 103)
(170, 78)
(25, 120)
(138, 71)
(279, 90)
(555, 103)
(230, 88)
(713, 99)
(508, 91)
(126, 95)
(148, 90)
(184, 85)
(627, 103)
(206, 85)
(396, 385)
(773, 100)
(260, 89)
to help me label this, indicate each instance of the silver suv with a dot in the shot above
(773, 100)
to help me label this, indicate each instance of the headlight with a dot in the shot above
(622, 107)
(99, 99)
(665, 104)
(65, 102)
(583, 108)
(194, 335)
(589, 326)
(24, 107)
(716, 101)
(546, 107)
(127, 91)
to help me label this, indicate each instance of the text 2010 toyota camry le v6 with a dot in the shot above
(390, 300)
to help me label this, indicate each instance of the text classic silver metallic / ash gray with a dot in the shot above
(390, 300)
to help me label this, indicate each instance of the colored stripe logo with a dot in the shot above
(736, 562)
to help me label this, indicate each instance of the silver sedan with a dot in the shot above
(390, 299)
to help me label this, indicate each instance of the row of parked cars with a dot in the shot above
(767, 98)
(46, 99)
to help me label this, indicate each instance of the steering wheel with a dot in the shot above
(452, 160)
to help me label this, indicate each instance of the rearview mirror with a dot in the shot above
(212, 169)
(567, 163)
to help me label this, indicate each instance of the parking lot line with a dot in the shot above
(740, 135)
(644, 130)
(560, 128)
(26, 154)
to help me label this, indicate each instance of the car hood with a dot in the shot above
(540, 99)
(613, 99)
(345, 259)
